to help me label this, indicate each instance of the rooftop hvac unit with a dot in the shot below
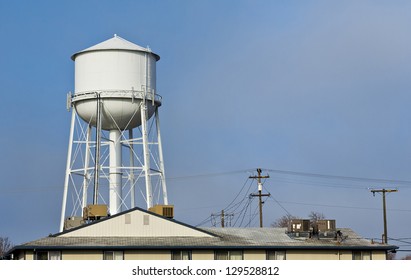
(94, 211)
(299, 225)
(73, 222)
(326, 225)
(163, 210)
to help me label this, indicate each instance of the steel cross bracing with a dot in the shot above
(134, 173)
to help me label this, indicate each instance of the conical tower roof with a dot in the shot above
(116, 43)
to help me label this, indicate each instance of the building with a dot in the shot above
(138, 234)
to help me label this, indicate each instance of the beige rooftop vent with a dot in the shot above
(163, 210)
(73, 222)
(94, 212)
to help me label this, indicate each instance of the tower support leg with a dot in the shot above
(161, 160)
(115, 172)
(146, 152)
(132, 188)
(68, 168)
(86, 178)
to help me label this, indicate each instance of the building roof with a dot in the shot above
(226, 238)
(93, 236)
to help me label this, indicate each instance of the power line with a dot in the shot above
(254, 215)
(279, 204)
(320, 184)
(216, 174)
(245, 183)
(399, 240)
(232, 206)
(403, 183)
(244, 211)
(317, 175)
(299, 173)
(342, 206)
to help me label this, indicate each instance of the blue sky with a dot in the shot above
(320, 87)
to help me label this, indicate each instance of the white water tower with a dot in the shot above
(115, 143)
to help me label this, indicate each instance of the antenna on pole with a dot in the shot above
(260, 194)
(384, 191)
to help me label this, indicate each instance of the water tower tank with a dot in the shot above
(119, 73)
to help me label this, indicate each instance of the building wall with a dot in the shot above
(207, 255)
(379, 255)
(318, 255)
(203, 255)
(82, 255)
(147, 255)
(25, 255)
(136, 223)
(345, 255)
(254, 254)
(329, 255)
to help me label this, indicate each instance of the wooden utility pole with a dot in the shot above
(260, 194)
(384, 191)
(225, 218)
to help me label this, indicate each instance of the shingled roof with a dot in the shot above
(207, 238)
(225, 238)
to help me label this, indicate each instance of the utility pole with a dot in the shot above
(260, 194)
(223, 221)
(384, 191)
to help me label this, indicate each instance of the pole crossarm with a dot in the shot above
(263, 194)
(383, 191)
(259, 177)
